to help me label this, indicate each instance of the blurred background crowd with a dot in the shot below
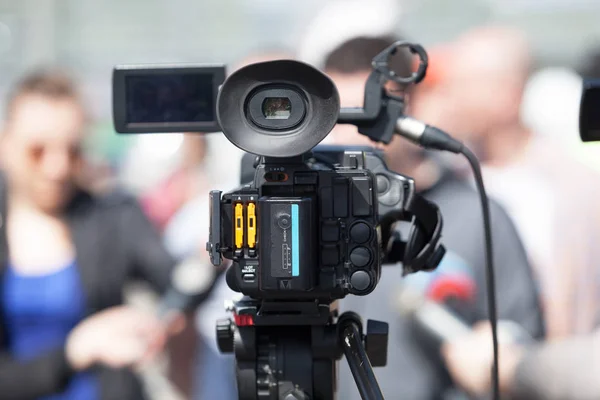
(505, 77)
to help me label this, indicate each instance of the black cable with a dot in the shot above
(489, 261)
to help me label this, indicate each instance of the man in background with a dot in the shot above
(564, 369)
(551, 196)
(414, 371)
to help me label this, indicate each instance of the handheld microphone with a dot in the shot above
(423, 296)
(439, 322)
(190, 282)
(444, 325)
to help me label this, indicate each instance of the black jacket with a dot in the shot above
(114, 243)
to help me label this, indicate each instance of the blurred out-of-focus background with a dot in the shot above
(505, 76)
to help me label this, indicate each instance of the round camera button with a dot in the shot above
(360, 257)
(360, 232)
(360, 280)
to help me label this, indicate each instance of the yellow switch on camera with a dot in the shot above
(251, 225)
(239, 226)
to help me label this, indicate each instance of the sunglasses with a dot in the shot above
(37, 152)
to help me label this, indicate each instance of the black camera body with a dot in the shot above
(314, 223)
(316, 231)
(589, 111)
(307, 229)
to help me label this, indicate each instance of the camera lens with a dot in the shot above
(277, 108)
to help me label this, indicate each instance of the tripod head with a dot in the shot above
(289, 351)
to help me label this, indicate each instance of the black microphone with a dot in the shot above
(191, 281)
(443, 324)
(439, 322)
(421, 296)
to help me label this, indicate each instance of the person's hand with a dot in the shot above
(175, 322)
(117, 337)
(470, 360)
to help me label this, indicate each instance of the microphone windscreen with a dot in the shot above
(452, 279)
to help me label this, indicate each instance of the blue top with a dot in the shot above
(39, 313)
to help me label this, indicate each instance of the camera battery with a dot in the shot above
(287, 245)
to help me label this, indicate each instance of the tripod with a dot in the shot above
(289, 350)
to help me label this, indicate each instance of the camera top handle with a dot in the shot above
(377, 118)
(380, 63)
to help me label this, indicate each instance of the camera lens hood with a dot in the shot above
(278, 108)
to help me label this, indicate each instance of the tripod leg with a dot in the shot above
(356, 355)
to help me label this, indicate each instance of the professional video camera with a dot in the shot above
(313, 225)
(589, 113)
